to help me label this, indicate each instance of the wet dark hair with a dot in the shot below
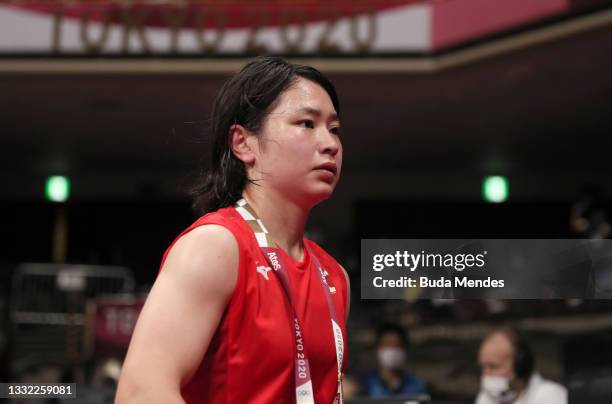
(246, 99)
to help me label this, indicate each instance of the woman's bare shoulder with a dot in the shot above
(180, 315)
(208, 253)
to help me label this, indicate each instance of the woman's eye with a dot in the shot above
(307, 124)
(335, 130)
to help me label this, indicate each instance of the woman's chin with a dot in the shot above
(319, 195)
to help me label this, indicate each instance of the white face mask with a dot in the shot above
(392, 358)
(497, 388)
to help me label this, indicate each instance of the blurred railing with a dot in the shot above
(48, 309)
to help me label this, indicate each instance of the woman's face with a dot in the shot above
(299, 153)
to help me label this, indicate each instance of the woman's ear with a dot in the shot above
(241, 141)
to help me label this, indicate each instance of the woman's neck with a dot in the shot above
(284, 219)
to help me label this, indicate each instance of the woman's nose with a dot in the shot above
(330, 143)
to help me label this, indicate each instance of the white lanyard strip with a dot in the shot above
(303, 382)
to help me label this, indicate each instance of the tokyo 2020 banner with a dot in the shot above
(239, 27)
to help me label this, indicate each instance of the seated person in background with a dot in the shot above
(508, 373)
(350, 387)
(392, 378)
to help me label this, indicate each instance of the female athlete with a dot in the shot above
(245, 309)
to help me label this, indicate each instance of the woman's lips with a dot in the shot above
(330, 167)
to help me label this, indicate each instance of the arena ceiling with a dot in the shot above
(543, 109)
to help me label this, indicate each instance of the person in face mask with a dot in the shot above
(392, 378)
(508, 373)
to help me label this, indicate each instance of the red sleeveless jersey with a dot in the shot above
(251, 356)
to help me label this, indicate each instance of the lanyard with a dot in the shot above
(303, 382)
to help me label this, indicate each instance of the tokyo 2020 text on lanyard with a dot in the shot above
(303, 382)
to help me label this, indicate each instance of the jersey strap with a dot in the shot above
(303, 382)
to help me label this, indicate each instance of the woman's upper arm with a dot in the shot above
(182, 310)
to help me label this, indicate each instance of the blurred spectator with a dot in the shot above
(350, 387)
(508, 373)
(588, 216)
(391, 378)
(106, 373)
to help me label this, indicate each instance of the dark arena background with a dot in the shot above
(437, 97)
